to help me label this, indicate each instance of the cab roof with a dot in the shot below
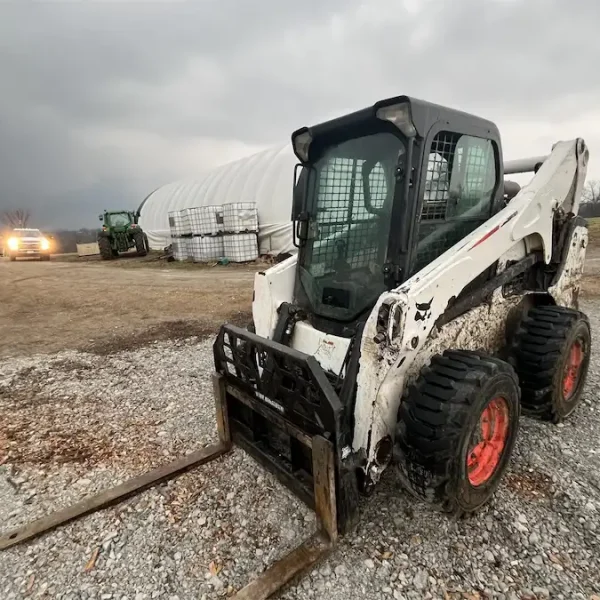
(424, 115)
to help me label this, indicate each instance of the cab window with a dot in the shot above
(458, 193)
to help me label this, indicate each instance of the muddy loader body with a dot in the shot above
(414, 283)
(429, 304)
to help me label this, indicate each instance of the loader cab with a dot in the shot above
(380, 194)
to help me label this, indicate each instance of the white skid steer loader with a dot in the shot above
(430, 303)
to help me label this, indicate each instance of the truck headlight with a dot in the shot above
(45, 244)
(13, 243)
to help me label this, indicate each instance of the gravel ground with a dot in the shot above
(73, 423)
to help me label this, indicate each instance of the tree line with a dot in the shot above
(590, 199)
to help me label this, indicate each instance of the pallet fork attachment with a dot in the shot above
(273, 578)
(112, 496)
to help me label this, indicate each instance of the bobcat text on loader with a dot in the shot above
(430, 303)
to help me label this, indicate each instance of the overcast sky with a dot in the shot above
(101, 102)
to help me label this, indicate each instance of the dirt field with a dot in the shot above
(104, 307)
(101, 307)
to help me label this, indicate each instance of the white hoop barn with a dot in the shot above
(265, 178)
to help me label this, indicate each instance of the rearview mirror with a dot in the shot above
(101, 218)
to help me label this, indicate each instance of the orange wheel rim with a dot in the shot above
(573, 369)
(488, 441)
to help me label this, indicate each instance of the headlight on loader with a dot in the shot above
(45, 244)
(13, 244)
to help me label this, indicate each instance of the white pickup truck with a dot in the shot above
(26, 243)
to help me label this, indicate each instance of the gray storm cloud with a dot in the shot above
(103, 102)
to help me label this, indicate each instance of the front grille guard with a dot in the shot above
(291, 382)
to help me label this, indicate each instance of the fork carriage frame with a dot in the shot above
(279, 400)
(322, 497)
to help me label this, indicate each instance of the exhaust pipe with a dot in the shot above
(524, 165)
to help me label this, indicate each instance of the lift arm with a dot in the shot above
(412, 310)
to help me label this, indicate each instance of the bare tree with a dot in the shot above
(591, 192)
(15, 218)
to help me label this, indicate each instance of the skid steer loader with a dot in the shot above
(429, 304)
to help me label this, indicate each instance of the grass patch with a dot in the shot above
(594, 231)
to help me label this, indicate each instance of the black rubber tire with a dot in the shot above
(540, 352)
(45, 257)
(13, 258)
(436, 422)
(106, 251)
(140, 244)
(146, 244)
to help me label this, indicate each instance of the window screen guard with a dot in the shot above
(458, 193)
(347, 231)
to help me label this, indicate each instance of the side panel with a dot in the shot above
(566, 289)
(271, 288)
(516, 253)
(482, 328)
(329, 350)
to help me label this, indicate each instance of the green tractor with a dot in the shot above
(121, 232)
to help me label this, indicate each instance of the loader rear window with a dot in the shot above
(458, 193)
